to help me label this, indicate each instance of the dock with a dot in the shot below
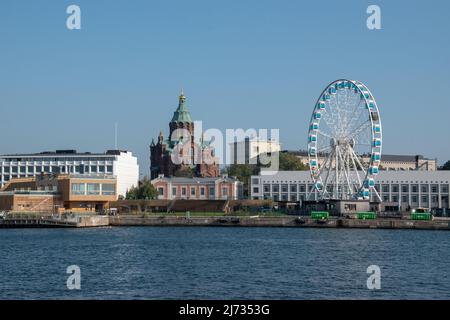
(53, 221)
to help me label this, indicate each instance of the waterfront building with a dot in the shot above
(209, 188)
(59, 192)
(398, 189)
(120, 164)
(388, 161)
(161, 150)
(249, 150)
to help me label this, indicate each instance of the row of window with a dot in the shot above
(106, 189)
(385, 188)
(58, 159)
(414, 198)
(193, 191)
(58, 169)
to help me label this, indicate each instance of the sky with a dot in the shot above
(242, 64)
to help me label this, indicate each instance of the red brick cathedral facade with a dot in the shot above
(161, 151)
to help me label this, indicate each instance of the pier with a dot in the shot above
(53, 221)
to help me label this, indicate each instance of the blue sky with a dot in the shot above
(243, 64)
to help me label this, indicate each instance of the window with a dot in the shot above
(255, 190)
(183, 191)
(405, 188)
(22, 169)
(267, 188)
(225, 191)
(94, 169)
(275, 197)
(394, 198)
(255, 181)
(109, 169)
(14, 169)
(193, 191)
(78, 188)
(161, 191)
(405, 199)
(385, 188)
(424, 188)
(284, 197)
(55, 169)
(302, 188)
(444, 187)
(415, 188)
(293, 188)
(350, 207)
(275, 188)
(395, 188)
(293, 197)
(434, 198)
(108, 189)
(30, 169)
(212, 191)
(386, 198)
(93, 188)
(424, 199)
(38, 169)
(284, 188)
(6, 169)
(414, 199)
(101, 169)
(174, 191)
(434, 188)
(202, 191)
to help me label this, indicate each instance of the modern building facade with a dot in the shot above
(59, 192)
(213, 188)
(388, 161)
(249, 150)
(402, 189)
(162, 150)
(120, 164)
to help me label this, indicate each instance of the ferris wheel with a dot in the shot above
(344, 142)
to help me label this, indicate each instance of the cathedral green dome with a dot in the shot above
(182, 114)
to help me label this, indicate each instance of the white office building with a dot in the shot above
(402, 189)
(120, 164)
(248, 150)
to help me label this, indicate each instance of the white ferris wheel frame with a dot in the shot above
(365, 182)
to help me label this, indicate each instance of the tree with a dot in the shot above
(446, 166)
(145, 191)
(185, 172)
(243, 173)
(289, 162)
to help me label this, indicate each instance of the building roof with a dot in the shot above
(63, 153)
(384, 157)
(182, 113)
(411, 175)
(206, 180)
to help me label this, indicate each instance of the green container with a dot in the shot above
(366, 215)
(319, 215)
(420, 216)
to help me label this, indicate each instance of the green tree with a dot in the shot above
(243, 173)
(446, 166)
(145, 191)
(289, 162)
(185, 172)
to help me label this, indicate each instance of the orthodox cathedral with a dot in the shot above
(195, 157)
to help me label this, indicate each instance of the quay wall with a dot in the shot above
(278, 222)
